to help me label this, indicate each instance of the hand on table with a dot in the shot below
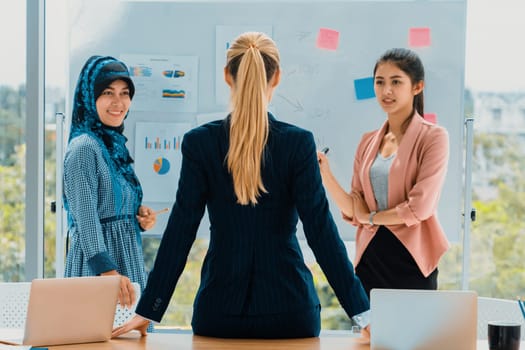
(365, 336)
(136, 323)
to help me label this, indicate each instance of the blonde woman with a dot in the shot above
(256, 176)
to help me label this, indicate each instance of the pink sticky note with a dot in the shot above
(418, 37)
(431, 117)
(328, 39)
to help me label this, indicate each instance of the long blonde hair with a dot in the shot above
(252, 60)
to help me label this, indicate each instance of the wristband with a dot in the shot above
(371, 217)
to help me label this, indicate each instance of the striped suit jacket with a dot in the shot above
(254, 264)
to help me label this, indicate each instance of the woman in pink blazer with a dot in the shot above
(399, 170)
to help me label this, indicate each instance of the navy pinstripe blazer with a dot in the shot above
(254, 264)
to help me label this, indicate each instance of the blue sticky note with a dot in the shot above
(364, 88)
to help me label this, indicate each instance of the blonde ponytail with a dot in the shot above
(252, 60)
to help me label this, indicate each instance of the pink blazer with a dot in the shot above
(414, 186)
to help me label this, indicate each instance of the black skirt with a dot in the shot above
(386, 263)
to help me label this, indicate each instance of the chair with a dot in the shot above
(122, 315)
(14, 298)
(493, 309)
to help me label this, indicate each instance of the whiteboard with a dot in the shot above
(317, 89)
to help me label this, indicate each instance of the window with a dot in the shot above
(54, 111)
(12, 140)
(496, 115)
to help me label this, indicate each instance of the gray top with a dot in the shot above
(379, 179)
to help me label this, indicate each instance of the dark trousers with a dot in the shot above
(303, 324)
(386, 263)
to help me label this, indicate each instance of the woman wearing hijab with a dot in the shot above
(102, 194)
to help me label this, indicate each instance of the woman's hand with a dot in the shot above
(136, 323)
(365, 335)
(146, 217)
(324, 165)
(361, 211)
(126, 295)
(346, 218)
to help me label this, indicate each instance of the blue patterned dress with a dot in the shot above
(102, 207)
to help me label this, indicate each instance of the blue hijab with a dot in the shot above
(96, 75)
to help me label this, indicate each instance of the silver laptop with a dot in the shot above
(404, 319)
(69, 311)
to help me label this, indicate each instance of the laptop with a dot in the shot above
(402, 319)
(68, 311)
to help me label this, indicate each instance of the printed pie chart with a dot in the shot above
(161, 166)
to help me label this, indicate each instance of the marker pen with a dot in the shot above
(165, 210)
